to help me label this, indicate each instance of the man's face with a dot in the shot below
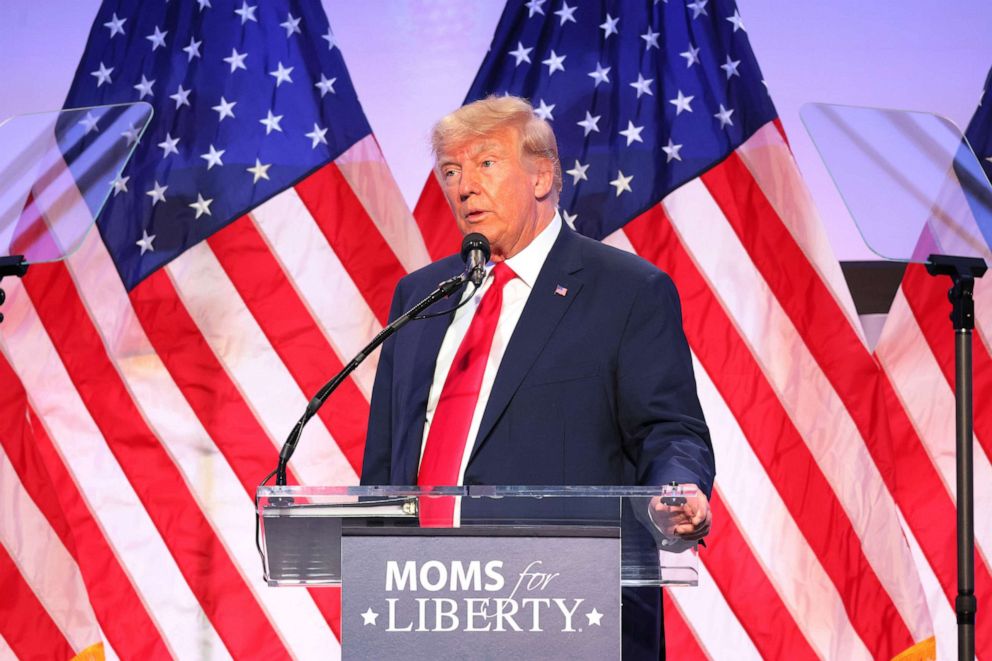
(494, 190)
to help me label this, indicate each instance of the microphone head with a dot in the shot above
(475, 241)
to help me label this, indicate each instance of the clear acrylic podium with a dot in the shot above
(300, 529)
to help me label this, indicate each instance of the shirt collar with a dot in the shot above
(528, 262)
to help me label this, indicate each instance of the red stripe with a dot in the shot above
(851, 370)
(290, 329)
(776, 443)
(212, 395)
(681, 643)
(357, 242)
(24, 623)
(927, 298)
(118, 608)
(204, 562)
(436, 222)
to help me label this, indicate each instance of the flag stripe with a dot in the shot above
(157, 482)
(282, 316)
(927, 298)
(353, 236)
(774, 438)
(26, 625)
(681, 643)
(436, 222)
(117, 606)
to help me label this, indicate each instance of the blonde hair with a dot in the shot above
(495, 113)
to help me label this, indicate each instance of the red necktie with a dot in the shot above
(452, 419)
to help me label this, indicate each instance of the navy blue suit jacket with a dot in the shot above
(595, 387)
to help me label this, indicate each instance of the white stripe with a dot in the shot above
(335, 302)
(5, 650)
(717, 629)
(769, 160)
(807, 397)
(945, 624)
(366, 171)
(772, 535)
(43, 561)
(254, 367)
(109, 496)
(919, 382)
(213, 484)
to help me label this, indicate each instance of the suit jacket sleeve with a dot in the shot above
(659, 412)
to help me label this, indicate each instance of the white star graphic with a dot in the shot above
(590, 123)
(291, 25)
(204, 4)
(554, 62)
(566, 13)
(201, 205)
(131, 135)
(570, 218)
(325, 85)
(157, 193)
(731, 67)
(650, 38)
(237, 60)
(317, 136)
(622, 183)
(329, 38)
(609, 26)
(544, 111)
(181, 97)
(691, 56)
(989, 159)
(115, 25)
(145, 242)
(259, 171)
(578, 173)
(120, 184)
(281, 74)
(224, 109)
(271, 123)
(698, 8)
(247, 12)
(672, 151)
(600, 75)
(89, 122)
(521, 54)
(594, 617)
(535, 7)
(193, 49)
(643, 85)
(724, 117)
(145, 87)
(736, 20)
(103, 75)
(632, 133)
(682, 102)
(212, 157)
(169, 145)
(157, 38)
(368, 617)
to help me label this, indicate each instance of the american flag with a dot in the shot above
(671, 149)
(249, 249)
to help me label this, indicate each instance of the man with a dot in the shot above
(568, 366)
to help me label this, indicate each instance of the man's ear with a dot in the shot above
(544, 178)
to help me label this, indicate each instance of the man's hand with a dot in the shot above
(690, 522)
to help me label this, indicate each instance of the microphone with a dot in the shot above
(475, 254)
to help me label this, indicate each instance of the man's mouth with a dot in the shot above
(474, 216)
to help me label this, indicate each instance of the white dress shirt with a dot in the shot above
(527, 265)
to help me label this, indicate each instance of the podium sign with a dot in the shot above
(480, 596)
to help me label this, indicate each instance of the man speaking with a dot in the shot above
(568, 366)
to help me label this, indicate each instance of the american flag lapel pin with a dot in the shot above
(560, 291)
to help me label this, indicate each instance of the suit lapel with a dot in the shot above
(544, 309)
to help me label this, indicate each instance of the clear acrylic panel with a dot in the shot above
(909, 179)
(299, 528)
(57, 170)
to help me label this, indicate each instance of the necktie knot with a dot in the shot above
(502, 274)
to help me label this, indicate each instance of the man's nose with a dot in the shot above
(468, 184)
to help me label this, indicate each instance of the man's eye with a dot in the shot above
(450, 173)
(488, 163)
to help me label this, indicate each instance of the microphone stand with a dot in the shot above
(443, 290)
(11, 265)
